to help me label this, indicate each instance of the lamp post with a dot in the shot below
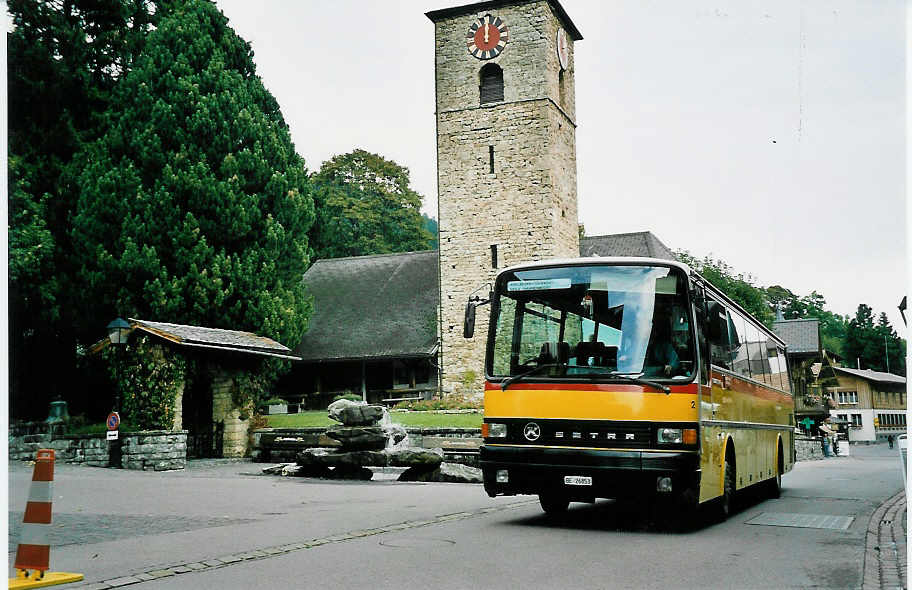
(118, 332)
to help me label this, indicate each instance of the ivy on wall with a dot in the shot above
(148, 378)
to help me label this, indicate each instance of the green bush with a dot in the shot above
(149, 376)
(274, 401)
(352, 397)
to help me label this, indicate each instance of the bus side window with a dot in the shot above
(783, 365)
(738, 349)
(702, 345)
(758, 357)
(718, 343)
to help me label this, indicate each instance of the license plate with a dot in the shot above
(577, 480)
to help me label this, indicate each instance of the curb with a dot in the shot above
(886, 560)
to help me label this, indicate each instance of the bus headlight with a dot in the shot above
(676, 436)
(493, 430)
(670, 436)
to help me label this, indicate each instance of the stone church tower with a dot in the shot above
(506, 157)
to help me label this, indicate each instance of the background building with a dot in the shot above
(810, 367)
(873, 403)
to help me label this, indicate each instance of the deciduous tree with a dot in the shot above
(364, 205)
(738, 286)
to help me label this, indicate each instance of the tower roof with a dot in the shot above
(437, 15)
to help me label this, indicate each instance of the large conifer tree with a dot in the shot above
(194, 206)
(64, 60)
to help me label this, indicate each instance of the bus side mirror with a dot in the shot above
(468, 324)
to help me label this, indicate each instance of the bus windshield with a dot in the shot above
(592, 322)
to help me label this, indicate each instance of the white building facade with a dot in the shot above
(873, 403)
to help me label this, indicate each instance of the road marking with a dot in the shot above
(805, 521)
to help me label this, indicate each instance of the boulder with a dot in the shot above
(409, 457)
(352, 413)
(276, 469)
(313, 457)
(458, 473)
(446, 472)
(395, 432)
(359, 438)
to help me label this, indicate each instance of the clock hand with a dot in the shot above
(486, 33)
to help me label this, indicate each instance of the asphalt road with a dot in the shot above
(224, 525)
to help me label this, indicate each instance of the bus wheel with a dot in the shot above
(553, 503)
(774, 485)
(728, 492)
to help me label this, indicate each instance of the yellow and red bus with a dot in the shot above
(618, 377)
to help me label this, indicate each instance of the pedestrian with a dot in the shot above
(890, 440)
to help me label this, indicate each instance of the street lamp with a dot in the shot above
(118, 332)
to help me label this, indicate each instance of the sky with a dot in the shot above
(769, 135)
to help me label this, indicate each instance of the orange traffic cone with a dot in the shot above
(34, 551)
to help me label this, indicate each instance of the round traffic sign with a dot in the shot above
(113, 421)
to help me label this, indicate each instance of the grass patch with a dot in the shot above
(319, 419)
(311, 419)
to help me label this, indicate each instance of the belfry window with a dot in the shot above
(491, 84)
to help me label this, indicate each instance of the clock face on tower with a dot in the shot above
(563, 49)
(487, 37)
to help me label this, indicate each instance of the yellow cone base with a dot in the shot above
(49, 579)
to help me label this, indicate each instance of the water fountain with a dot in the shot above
(368, 438)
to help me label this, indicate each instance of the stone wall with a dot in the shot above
(527, 206)
(90, 449)
(808, 448)
(223, 410)
(148, 450)
(154, 450)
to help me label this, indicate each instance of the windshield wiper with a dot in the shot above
(510, 380)
(641, 381)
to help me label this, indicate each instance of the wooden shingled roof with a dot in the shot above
(211, 338)
(372, 307)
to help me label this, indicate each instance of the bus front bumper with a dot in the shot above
(603, 473)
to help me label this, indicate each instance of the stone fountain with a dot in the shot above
(367, 438)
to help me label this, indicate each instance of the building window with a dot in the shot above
(856, 420)
(848, 397)
(491, 84)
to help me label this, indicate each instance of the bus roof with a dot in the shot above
(595, 260)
